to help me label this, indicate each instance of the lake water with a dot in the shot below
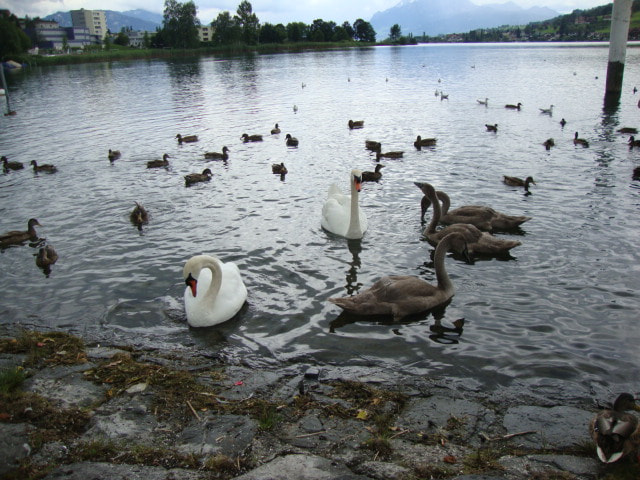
(560, 314)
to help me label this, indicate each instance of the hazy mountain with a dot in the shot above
(435, 17)
(136, 19)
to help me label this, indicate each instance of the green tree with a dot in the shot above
(107, 42)
(395, 33)
(349, 29)
(364, 32)
(122, 38)
(272, 33)
(146, 40)
(65, 43)
(225, 29)
(12, 39)
(248, 22)
(297, 31)
(180, 24)
(340, 34)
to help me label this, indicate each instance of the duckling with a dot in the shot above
(192, 178)
(548, 143)
(186, 138)
(275, 130)
(353, 124)
(47, 167)
(251, 138)
(7, 165)
(633, 142)
(15, 237)
(424, 142)
(279, 168)
(139, 216)
(563, 122)
(484, 102)
(518, 182)
(491, 128)
(580, 141)
(380, 155)
(113, 155)
(373, 176)
(217, 155)
(632, 130)
(547, 111)
(159, 163)
(291, 141)
(372, 145)
(615, 432)
(513, 107)
(46, 257)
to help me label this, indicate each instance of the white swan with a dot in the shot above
(341, 213)
(215, 291)
(403, 295)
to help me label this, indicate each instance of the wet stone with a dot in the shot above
(229, 435)
(583, 468)
(103, 471)
(66, 386)
(123, 420)
(556, 427)
(14, 445)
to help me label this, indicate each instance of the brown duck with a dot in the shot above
(46, 168)
(186, 139)
(192, 178)
(139, 216)
(159, 163)
(7, 165)
(16, 237)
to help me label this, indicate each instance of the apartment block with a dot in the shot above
(93, 20)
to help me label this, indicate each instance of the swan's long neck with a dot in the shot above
(431, 195)
(446, 202)
(354, 230)
(444, 282)
(212, 264)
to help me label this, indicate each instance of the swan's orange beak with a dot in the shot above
(358, 183)
(192, 283)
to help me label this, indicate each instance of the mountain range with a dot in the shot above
(136, 19)
(436, 17)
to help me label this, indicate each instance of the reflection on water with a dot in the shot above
(550, 314)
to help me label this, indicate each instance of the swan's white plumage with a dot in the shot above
(341, 214)
(220, 292)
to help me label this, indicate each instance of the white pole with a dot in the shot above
(620, 19)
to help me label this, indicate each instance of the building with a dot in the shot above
(48, 35)
(205, 33)
(93, 20)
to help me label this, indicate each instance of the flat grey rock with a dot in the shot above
(104, 471)
(301, 467)
(229, 435)
(66, 386)
(14, 445)
(581, 467)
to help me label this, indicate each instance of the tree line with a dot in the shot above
(180, 28)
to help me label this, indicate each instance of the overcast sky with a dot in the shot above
(272, 11)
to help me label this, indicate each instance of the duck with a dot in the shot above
(484, 102)
(580, 141)
(217, 155)
(615, 432)
(635, 175)
(113, 155)
(251, 138)
(518, 182)
(491, 128)
(484, 218)
(547, 111)
(548, 143)
(563, 122)
(518, 106)
(46, 257)
(373, 176)
(402, 295)
(396, 154)
(275, 130)
(444, 96)
(478, 242)
(192, 178)
(633, 142)
(353, 124)
(139, 216)
(186, 138)
(159, 163)
(631, 130)
(291, 141)
(279, 169)
(372, 145)
(341, 213)
(7, 165)
(424, 142)
(215, 291)
(15, 237)
(47, 167)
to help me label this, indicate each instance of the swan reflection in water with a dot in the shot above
(352, 286)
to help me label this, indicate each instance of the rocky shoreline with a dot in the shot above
(93, 411)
